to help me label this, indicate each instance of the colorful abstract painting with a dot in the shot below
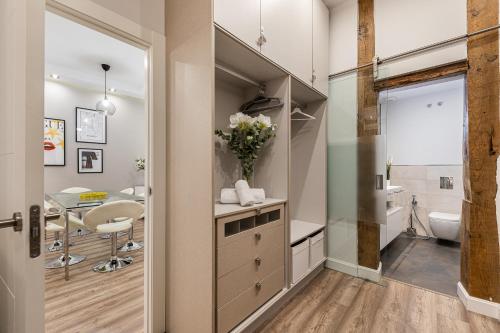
(54, 132)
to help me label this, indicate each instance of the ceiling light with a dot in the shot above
(105, 104)
(54, 76)
(112, 90)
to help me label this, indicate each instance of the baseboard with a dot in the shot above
(355, 270)
(478, 305)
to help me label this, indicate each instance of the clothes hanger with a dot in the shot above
(261, 103)
(298, 111)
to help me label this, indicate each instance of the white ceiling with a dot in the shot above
(76, 53)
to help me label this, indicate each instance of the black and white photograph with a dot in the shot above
(90, 160)
(91, 126)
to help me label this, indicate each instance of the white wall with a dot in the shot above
(400, 25)
(403, 25)
(422, 135)
(126, 140)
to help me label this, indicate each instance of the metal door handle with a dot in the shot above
(16, 222)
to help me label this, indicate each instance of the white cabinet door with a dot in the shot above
(287, 27)
(321, 17)
(241, 18)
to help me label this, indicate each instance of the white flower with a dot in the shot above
(239, 118)
(264, 121)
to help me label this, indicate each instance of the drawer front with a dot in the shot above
(250, 300)
(243, 252)
(234, 228)
(264, 263)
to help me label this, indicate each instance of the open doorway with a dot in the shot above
(95, 178)
(424, 125)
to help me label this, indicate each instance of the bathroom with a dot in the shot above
(423, 126)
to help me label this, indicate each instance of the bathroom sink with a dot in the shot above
(394, 189)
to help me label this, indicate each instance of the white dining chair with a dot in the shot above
(57, 226)
(131, 244)
(101, 220)
(75, 190)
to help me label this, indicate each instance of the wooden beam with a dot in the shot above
(368, 124)
(480, 269)
(424, 75)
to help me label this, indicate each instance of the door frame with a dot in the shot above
(110, 23)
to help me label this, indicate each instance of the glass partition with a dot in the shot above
(342, 175)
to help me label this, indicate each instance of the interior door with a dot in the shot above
(21, 162)
(241, 18)
(287, 28)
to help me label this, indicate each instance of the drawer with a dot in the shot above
(233, 228)
(244, 251)
(250, 300)
(264, 263)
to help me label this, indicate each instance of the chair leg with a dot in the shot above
(57, 244)
(59, 261)
(131, 245)
(115, 262)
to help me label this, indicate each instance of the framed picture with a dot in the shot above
(91, 126)
(54, 137)
(90, 160)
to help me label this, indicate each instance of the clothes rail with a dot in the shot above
(239, 76)
(415, 51)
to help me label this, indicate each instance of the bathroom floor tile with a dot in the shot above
(431, 264)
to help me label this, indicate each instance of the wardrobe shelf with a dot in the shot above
(222, 210)
(300, 230)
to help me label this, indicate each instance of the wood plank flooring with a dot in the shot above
(95, 302)
(336, 302)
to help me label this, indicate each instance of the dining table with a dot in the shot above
(77, 203)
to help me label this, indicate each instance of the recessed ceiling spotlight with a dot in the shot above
(440, 103)
(112, 90)
(54, 76)
(429, 105)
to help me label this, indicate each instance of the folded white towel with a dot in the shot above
(244, 194)
(229, 195)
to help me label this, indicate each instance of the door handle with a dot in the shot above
(16, 221)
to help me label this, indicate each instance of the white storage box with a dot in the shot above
(317, 252)
(300, 260)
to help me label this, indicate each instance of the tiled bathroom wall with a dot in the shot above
(423, 181)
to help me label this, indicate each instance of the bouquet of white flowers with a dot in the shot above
(247, 136)
(140, 163)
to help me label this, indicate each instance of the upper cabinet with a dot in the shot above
(321, 36)
(287, 31)
(292, 33)
(241, 18)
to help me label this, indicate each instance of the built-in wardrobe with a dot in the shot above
(260, 255)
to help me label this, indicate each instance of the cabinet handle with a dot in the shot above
(258, 261)
(258, 285)
(258, 236)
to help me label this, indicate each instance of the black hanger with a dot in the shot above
(261, 103)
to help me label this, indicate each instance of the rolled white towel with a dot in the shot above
(244, 194)
(230, 196)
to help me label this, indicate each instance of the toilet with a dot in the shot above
(444, 225)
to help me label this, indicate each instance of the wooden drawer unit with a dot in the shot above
(250, 262)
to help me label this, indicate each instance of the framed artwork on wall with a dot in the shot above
(54, 136)
(91, 126)
(90, 160)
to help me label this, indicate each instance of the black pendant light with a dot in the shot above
(105, 104)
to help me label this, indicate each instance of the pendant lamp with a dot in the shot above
(105, 104)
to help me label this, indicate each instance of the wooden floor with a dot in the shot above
(335, 302)
(95, 302)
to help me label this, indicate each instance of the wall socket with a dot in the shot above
(446, 183)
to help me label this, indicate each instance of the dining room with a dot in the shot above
(95, 180)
